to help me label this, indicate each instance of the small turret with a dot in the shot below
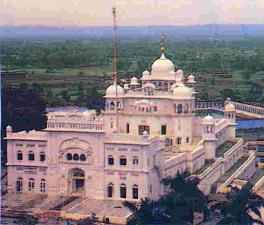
(9, 129)
(230, 115)
(209, 138)
(230, 112)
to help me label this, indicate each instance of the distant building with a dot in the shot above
(147, 131)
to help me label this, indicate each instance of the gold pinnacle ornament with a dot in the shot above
(162, 43)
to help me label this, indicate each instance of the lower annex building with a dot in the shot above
(147, 131)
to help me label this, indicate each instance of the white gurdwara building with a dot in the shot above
(147, 131)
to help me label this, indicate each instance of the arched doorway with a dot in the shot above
(77, 181)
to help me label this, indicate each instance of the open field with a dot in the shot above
(69, 69)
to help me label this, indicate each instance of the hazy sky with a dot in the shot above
(129, 12)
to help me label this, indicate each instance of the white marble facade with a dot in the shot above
(147, 131)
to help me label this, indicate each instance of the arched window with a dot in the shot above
(122, 191)
(31, 184)
(42, 156)
(69, 156)
(111, 160)
(112, 106)
(123, 160)
(82, 157)
(76, 157)
(31, 156)
(135, 160)
(43, 185)
(19, 155)
(186, 108)
(19, 184)
(110, 190)
(168, 142)
(179, 109)
(166, 86)
(135, 192)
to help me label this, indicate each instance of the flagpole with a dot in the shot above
(115, 66)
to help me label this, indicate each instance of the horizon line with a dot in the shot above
(130, 26)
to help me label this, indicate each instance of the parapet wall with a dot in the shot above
(219, 167)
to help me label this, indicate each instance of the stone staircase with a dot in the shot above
(228, 174)
(65, 202)
(256, 176)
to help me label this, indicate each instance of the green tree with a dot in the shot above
(183, 200)
(236, 211)
(66, 97)
(176, 207)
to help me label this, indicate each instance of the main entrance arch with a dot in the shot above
(77, 181)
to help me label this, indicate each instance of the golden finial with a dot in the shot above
(162, 43)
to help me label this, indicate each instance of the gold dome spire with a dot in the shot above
(162, 43)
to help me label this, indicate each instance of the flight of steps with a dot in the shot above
(228, 173)
(65, 202)
(256, 176)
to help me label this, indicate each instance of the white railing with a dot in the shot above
(209, 105)
(23, 135)
(124, 138)
(239, 143)
(247, 107)
(238, 172)
(59, 126)
(140, 92)
(210, 175)
(259, 184)
(221, 125)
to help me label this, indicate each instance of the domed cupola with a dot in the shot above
(191, 79)
(230, 107)
(146, 75)
(162, 66)
(179, 75)
(114, 90)
(134, 81)
(208, 120)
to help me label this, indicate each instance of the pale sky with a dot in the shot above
(60, 13)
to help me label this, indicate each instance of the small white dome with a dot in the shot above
(149, 85)
(146, 72)
(134, 81)
(181, 91)
(146, 75)
(8, 128)
(126, 87)
(191, 79)
(230, 107)
(111, 90)
(162, 66)
(179, 75)
(208, 119)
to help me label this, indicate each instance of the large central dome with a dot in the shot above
(162, 66)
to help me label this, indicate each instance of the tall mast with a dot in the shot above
(115, 67)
